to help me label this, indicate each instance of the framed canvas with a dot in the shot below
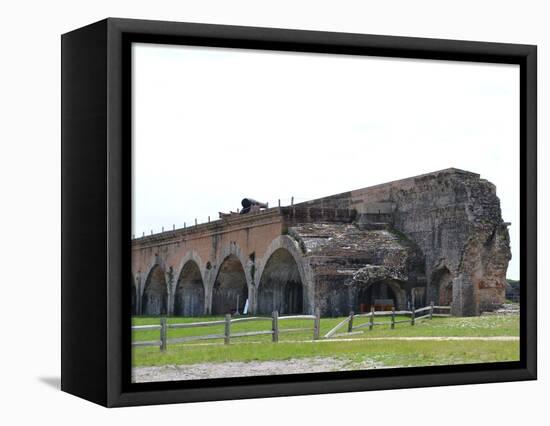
(254, 212)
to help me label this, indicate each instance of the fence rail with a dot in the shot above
(227, 334)
(442, 308)
(358, 329)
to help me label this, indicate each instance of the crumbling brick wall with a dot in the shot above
(455, 219)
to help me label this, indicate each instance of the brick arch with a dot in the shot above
(154, 260)
(306, 276)
(231, 290)
(231, 249)
(280, 287)
(155, 293)
(190, 287)
(191, 255)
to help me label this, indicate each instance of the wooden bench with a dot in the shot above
(383, 304)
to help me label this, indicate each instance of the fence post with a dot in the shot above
(163, 333)
(371, 321)
(350, 322)
(227, 333)
(275, 326)
(317, 324)
(431, 309)
(392, 317)
(412, 315)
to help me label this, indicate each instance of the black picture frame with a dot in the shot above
(96, 228)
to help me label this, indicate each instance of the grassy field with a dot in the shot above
(354, 349)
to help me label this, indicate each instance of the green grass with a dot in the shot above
(389, 353)
(297, 345)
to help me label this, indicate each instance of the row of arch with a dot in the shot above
(280, 281)
(281, 288)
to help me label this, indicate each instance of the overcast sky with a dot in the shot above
(213, 125)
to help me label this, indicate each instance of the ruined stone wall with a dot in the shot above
(350, 266)
(455, 219)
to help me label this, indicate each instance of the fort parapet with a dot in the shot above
(436, 237)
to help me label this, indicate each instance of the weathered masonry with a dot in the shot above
(436, 237)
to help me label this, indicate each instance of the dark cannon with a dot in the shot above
(250, 204)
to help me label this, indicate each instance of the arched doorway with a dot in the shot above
(155, 294)
(189, 296)
(442, 283)
(381, 295)
(281, 287)
(230, 291)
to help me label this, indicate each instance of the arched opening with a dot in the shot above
(189, 297)
(381, 295)
(230, 290)
(442, 283)
(281, 287)
(155, 294)
(134, 296)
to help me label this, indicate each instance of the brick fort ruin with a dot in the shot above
(436, 237)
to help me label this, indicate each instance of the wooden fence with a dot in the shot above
(227, 334)
(428, 313)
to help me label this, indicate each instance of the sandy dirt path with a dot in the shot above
(252, 368)
(268, 368)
